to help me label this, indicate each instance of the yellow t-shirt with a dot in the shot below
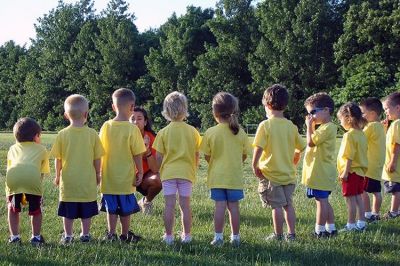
(178, 143)
(77, 148)
(319, 165)
(225, 149)
(376, 149)
(392, 137)
(353, 147)
(121, 141)
(279, 138)
(26, 161)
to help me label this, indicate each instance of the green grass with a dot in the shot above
(380, 244)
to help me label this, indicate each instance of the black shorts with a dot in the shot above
(372, 185)
(391, 187)
(75, 210)
(15, 201)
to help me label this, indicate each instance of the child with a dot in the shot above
(77, 151)
(277, 147)
(391, 169)
(27, 161)
(177, 147)
(225, 144)
(124, 146)
(352, 164)
(319, 165)
(151, 183)
(375, 132)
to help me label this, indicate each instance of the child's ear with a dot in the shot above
(36, 138)
(66, 116)
(113, 107)
(85, 115)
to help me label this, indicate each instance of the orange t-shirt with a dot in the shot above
(148, 136)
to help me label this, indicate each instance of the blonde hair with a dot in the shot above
(75, 106)
(352, 112)
(226, 106)
(123, 96)
(175, 107)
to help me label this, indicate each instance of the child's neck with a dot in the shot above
(326, 120)
(77, 123)
(275, 113)
(355, 128)
(122, 116)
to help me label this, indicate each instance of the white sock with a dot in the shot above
(235, 237)
(12, 237)
(375, 213)
(37, 237)
(351, 226)
(330, 227)
(368, 215)
(360, 224)
(219, 236)
(319, 228)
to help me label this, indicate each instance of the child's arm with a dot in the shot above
(297, 156)
(139, 167)
(344, 175)
(97, 167)
(256, 158)
(197, 155)
(310, 130)
(244, 157)
(58, 166)
(207, 158)
(393, 161)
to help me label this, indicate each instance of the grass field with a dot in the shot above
(380, 244)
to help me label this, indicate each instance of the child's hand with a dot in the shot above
(257, 172)
(56, 181)
(385, 123)
(139, 178)
(391, 166)
(343, 177)
(296, 158)
(309, 121)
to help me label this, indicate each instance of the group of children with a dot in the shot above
(114, 160)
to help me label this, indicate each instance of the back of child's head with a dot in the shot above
(149, 123)
(75, 106)
(393, 98)
(122, 97)
(175, 107)
(276, 97)
(321, 100)
(352, 112)
(372, 104)
(226, 106)
(26, 129)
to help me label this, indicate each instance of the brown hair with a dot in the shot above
(353, 113)
(277, 97)
(372, 104)
(320, 100)
(146, 117)
(26, 129)
(226, 106)
(393, 98)
(123, 96)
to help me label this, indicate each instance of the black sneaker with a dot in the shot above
(37, 241)
(389, 215)
(323, 234)
(16, 240)
(130, 238)
(85, 238)
(109, 237)
(333, 233)
(66, 240)
(373, 219)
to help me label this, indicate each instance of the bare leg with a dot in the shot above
(234, 216)
(186, 214)
(112, 222)
(351, 209)
(13, 222)
(277, 218)
(68, 226)
(331, 216)
(169, 213)
(290, 217)
(376, 202)
(85, 225)
(365, 198)
(322, 211)
(394, 206)
(219, 216)
(360, 208)
(125, 222)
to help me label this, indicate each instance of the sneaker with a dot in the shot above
(85, 238)
(347, 229)
(235, 242)
(66, 240)
(185, 239)
(389, 215)
(323, 234)
(109, 237)
(168, 240)
(130, 238)
(146, 207)
(373, 219)
(361, 229)
(15, 240)
(217, 242)
(273, 237)
(333, 233)
(37, 241)
(290, 237)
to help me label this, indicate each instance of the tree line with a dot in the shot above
(348, 48)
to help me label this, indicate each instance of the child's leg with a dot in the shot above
(219, 216)
(234, 216)
(351, 209)
(330, 219)
(277, 218)
(112, 222)
(68, 226)
(169, 213)
(290, 217)
(186, 214)
(125, 223)
(376, 202)
(13, 222)
(322, 211)
(36, 222)
(365, 198)
(395, 204)
(85, 226)
(360, 207)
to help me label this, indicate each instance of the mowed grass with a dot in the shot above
(380, 244)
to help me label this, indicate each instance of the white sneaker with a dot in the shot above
(146, 207)
(168, 239)
(217, 242)
(185, 239)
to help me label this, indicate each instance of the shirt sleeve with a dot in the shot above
(198, 139)
(137, 143)
(320, 135)
(205, 144)
(45, 167)
(158, 143)
(246, 143)
(98, 148)
(396, 133)
(349, 147)
(300, 143)
(260, 139)
(56, 148)
(9, 160)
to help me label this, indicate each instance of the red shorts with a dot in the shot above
(353, 186)
(35, 203)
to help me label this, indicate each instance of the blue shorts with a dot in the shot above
(75, 210)
(122, 205)
(222, 194)
(318, 194)
(391, 187)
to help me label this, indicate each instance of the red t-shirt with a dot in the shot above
(148, 135)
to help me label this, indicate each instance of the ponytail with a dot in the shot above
(234, 123)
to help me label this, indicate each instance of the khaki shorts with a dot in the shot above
(274, 195)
